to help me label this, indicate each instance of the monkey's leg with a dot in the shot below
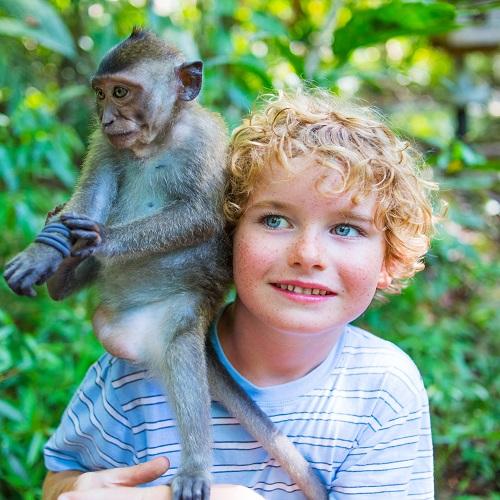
(183, 369)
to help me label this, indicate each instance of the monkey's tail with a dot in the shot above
(260, 426)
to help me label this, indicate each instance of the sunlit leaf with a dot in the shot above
(371, 26)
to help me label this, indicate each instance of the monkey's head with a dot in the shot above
(140, 84)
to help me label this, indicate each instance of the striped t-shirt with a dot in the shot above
(360, 418)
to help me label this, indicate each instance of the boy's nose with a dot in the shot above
(307, 252)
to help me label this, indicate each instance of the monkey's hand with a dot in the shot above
(87, 234)
(32, 266)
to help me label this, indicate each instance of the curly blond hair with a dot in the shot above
(352, 141)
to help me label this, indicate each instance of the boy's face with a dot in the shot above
(305, 262)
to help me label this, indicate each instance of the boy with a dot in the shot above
(326, 207)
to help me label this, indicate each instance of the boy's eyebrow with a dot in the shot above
(276, 205)
(356, 217)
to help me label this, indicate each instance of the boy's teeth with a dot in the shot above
(304, 291)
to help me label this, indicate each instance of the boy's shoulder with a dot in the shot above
(119, 376)
(373, 363)
(116, 368)
(370, 348)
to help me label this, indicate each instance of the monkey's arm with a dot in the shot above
(98, 183)
(93, 196)
(179, 226)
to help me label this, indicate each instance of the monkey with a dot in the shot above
(145, 224)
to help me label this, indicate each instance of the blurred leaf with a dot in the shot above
(72, 92)
(35, 448)
(59, 163)
(269, 24)
(371, 26)
(37, 19)
(7, 170)
(17, 467)
(471, 182)
(8, 411)
(239, 96)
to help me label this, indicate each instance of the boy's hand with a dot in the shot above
(123, 476)
(119, 483)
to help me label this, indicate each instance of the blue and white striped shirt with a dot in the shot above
(361, 419)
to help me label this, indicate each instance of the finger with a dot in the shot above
(86, 235)
(139, 474)
(28, 292)
(26, 285)
(201, 489)
(8, 272)
(12, 266)
(10, 269)
(20, 283)
(74, 215)
(79, 223)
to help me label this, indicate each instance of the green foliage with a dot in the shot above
(372, 26)
(44, 352)
(39, 21)
(444, 320)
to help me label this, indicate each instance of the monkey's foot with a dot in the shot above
(192, 486)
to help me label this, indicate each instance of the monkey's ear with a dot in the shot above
(190, 76)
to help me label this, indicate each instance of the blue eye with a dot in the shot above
(275, 221)
(346, 230)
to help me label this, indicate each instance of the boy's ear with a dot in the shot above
(384, 279)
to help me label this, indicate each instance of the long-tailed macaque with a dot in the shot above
(145, 223)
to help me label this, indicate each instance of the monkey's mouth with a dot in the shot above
(119, 135)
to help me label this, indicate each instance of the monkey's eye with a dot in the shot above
(120, 92)
(99, 93)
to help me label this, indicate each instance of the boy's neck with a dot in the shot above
(265, 356)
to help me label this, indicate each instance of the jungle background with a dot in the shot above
(431, 67)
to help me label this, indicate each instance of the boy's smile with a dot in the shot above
(306, 262)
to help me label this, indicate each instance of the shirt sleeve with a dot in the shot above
(392, 458)
(94, 433)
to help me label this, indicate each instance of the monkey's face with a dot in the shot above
(132, 107)
(116, 99)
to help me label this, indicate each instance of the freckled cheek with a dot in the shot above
(360, 276)
(251, 260)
